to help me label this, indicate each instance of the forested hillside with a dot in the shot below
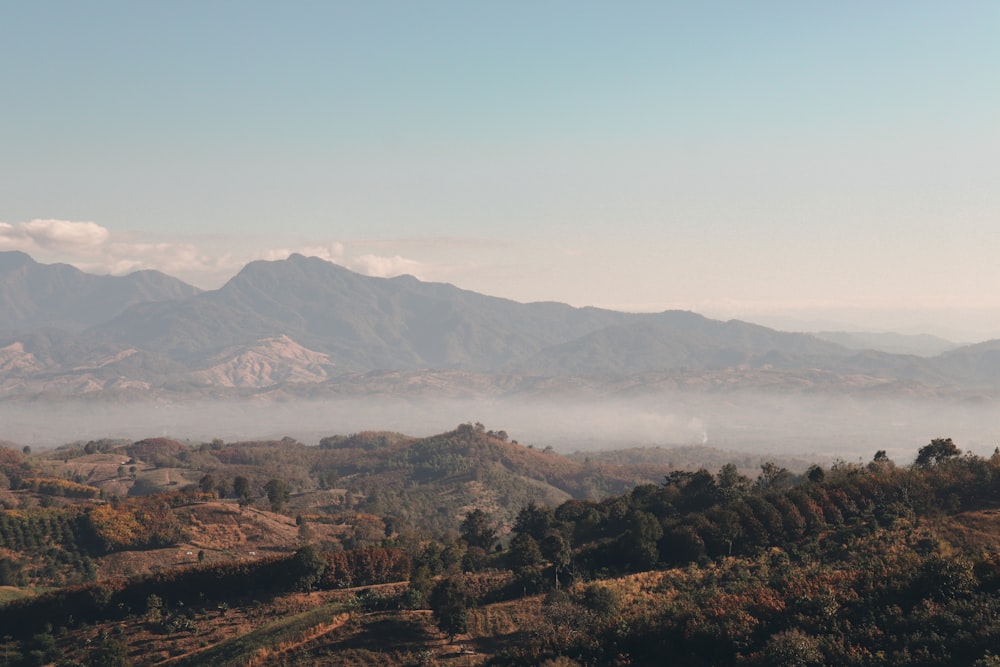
(848, 564)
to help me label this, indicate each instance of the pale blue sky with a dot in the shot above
(794, 163)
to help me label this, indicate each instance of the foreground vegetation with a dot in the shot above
(848, 564)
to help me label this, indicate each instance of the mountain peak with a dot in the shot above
(14, 259)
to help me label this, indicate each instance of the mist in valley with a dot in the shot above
(822, 427)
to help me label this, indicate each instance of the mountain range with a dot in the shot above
(305, 326)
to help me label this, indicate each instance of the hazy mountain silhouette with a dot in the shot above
(33, 295)
(304, 320)
(362, 323)
(922, 345)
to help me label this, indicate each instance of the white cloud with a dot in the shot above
(90, 247)
(275, 254)
(385, 267)
(8, 237)
(331, 252)
(53, 235)
(167, 257)
(208, 263)
(66, 234)
(352, 255)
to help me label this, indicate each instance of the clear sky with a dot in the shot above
(801, 164)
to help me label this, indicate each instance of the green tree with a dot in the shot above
(449, 603)
(309, 566)
(534, 521)
(937, 451)
(278, 493)
(477, 531)
(9, 570)
(43, 649)
(773, 476)
(421, 585)
(601, 600)
(639, 541)
(792, 648)
(109, 653)
(557, 550)
(815, 474)
(207, 483)
(241, 487)
(730, 483)
(524, 553)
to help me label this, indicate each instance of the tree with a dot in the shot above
(639, 541)
(449, 603)
(241, 487)
(207, 483)
(8, 572)
(109, 653)
(601, 600)
(477, 531)
(773, 476)
(557, 551)
(309, 566)
(937, 451)
(278, 493)
(524, 554)
(421, 584)
(731, 484)
(792, 648)
(534, 521)
(815, 474)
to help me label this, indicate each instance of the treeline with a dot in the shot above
(395, 476)
(842, 566)
(698, 516)
(135, 523)
(44, 547)
(53, 486)
(204, 586)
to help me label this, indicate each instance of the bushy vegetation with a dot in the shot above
(846, 566)
(850, 564)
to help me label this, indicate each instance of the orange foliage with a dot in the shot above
(53, 486)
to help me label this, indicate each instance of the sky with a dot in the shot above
(806, 165)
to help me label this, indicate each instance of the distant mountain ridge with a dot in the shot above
(34, 295)
(306, 325)
(922, 345)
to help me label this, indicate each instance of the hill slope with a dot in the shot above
(34, 295)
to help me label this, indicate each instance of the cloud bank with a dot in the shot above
(55, 235)
(95, 249)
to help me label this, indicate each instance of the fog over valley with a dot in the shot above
(520, 334)
(822, 427)
(304, 348)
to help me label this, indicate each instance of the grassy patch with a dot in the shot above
(8, 593)
(240, 650)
